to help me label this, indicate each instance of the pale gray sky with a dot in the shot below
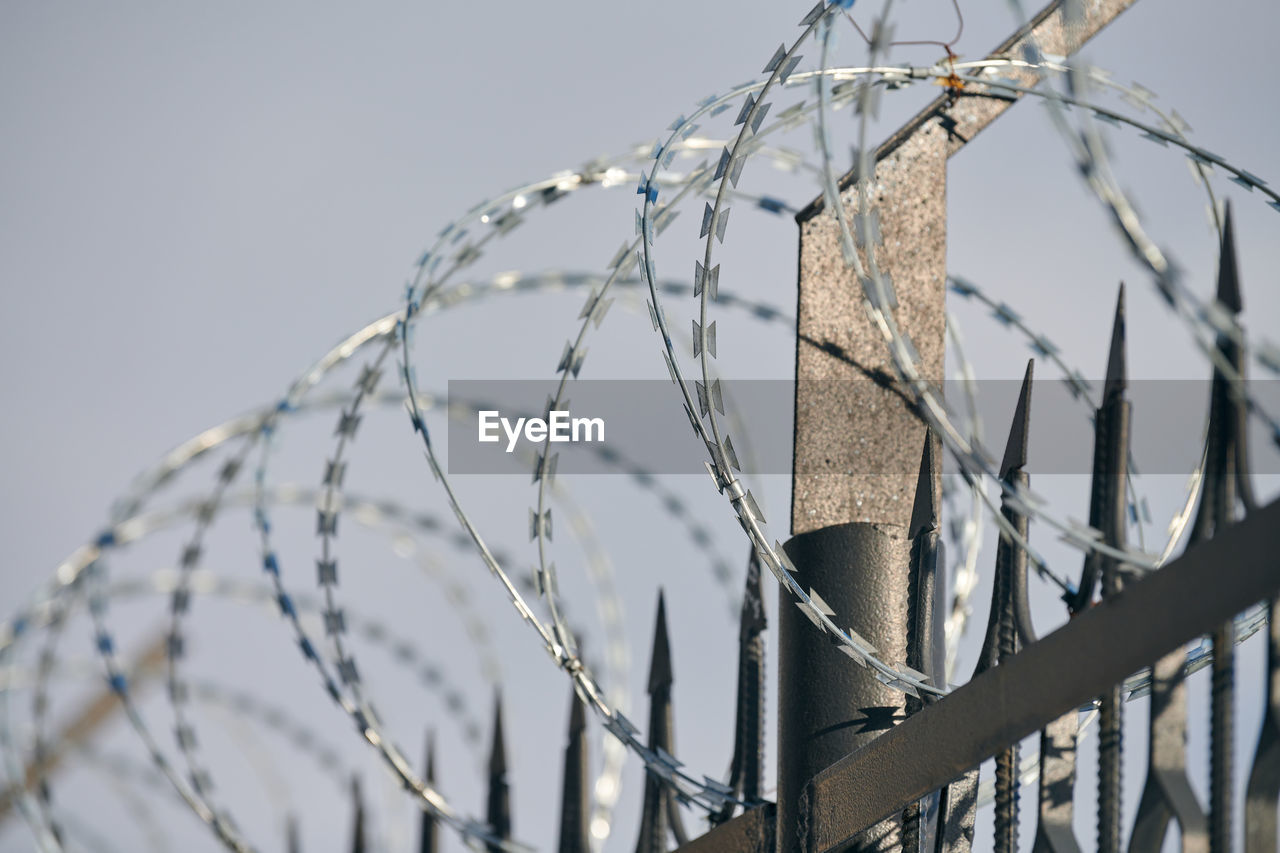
(198, 200)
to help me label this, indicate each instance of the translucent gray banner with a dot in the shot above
(633, 426)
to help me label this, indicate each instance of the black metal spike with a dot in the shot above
(577, 717)
(746, 769)
(1016, 478)
(751, 684)
(1111, 471)
(1228, 270)
(358, 843)
(498, 749)
(498, 812)
(1001, 638)
(1015, 449)
(292, 842)
(924, 509)
(1117, 362)
(1007, 621)
(660, 674)
(1054, 832)
(1013, 629)
(659, 816)
(1225, 482)
(429, 832)
(1226, 475)
(1110, 447)
(1107, 508)
(1231, 295)
(574, 829)
(926, 649)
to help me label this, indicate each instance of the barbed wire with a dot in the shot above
(713, 230)
(456, 248)
(248, 424)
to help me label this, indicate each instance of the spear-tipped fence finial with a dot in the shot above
(1015, 449)
(1228, 270)
(660, 674)
(1054, 833)
(574, 808)
(926, 651)
(1110, 462)
(747, 766)
(429, 831)
(751, 687)
(1007, 622)
(659, 815)
(1225, 483)
(1008, 626)
(358, 842)
(1000, 639)
(498, 812)
(1117, 380)
(924, 509)
(1107, 509)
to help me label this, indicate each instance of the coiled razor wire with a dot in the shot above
(127, 775)
(364, 511)
(974, 461)
(402, 651)
(327, 514)
(1206, 323)
(205, 442)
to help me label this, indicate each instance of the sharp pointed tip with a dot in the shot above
(924, 510)
(660, 674)
(358, 830)
(1015, 450)
(577, 715)
(498, 755)
(1228, 272)
(1117, 362)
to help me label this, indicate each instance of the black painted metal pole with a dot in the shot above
(828, 707)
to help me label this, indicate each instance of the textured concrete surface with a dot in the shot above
(857, 445)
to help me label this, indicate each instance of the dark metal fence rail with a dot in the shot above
(1064, 670)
